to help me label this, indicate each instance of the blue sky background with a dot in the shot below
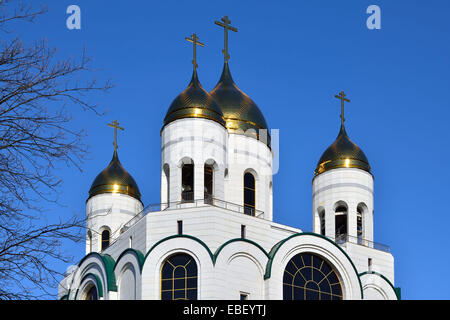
(291, 57)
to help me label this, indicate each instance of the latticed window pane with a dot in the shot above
(309, 277)
(179, 278)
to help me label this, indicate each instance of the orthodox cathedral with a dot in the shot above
(213, 236)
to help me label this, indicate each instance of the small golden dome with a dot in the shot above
(194, 102)
(343, 153)
(239, 110)
(115, 179)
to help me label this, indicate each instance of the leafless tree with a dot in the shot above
(35, 92)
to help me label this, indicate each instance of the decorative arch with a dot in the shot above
(317, 244)
(377, 281)
(168, 246)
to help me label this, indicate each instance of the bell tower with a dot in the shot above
(343, 190)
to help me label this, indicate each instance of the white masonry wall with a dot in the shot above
(350, 185)
(249, 154)
(201, 140)
(108, 210)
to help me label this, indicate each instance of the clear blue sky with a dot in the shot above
(291, 57)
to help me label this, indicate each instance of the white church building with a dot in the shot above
(213, 237)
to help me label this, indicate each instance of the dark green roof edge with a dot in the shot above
(108, 263)
(277, 246)
(99, 284)
(181, 236)
(239, 239)
(396, 290)
(139, 255)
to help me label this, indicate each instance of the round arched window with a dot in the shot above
(179, 278)
(309, 277)
(91, 293)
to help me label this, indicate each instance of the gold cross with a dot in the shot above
(194, 40)
(115, 125)
(341, 97)
(226, 26)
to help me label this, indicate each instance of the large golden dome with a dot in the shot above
(115, 179)
(343, 153)
(240, 112)
(194, 102)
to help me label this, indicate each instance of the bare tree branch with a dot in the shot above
(36, 91)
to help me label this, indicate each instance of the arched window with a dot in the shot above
(89, 239)
(166, 170)
(91, 293)
(360, 210)
(105, 239)
(209, 182)
(309, 277)
(187, 182)
(249, 194)
(322, 221)
(179, 278)
(341, 222)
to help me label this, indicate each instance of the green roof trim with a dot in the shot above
(277, 246)
(108, 263)
(181, 236)
(239, 239)
(139, 255)
(396, 290)
(98, 284)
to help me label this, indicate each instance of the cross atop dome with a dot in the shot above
(226, 26)
(341, 97)
(115, 125)
(195, 42)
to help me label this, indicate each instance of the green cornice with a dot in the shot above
(181, 236)
(396, 290)
(277, 246)
(239, 239)
(98, 284)
(139, 255)
(108, 263)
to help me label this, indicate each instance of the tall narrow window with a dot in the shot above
(360, 211)
(359, 227)
(187, 182)
(180, 227)
(89, 236)
(179, 278)
(249, 194)
(209, 183)
(167, 174)
(322, 221)
(341, 222)
(242, 231)
(105, 239)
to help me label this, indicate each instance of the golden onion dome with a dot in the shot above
(115, 179)
(343, 153)
(239, 110)
(194, 102)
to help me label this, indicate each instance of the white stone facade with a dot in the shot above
(236, 254)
